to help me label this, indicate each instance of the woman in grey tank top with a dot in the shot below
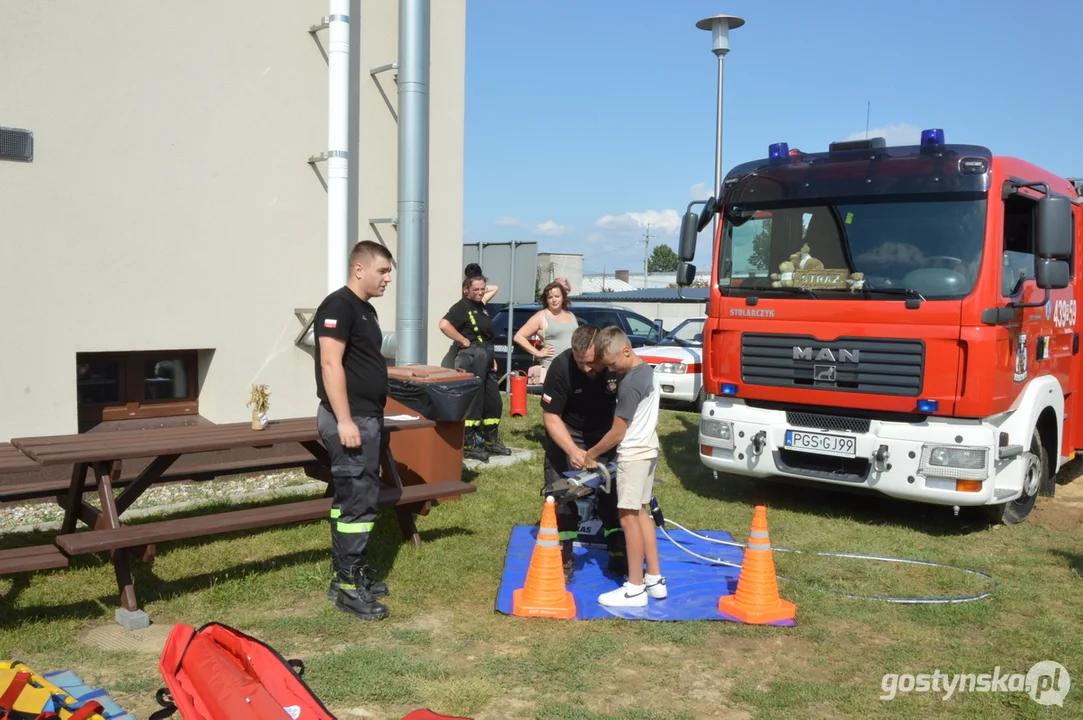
(554, 323)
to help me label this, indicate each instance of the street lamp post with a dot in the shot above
(720, 26)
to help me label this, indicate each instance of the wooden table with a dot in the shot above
(104, 454)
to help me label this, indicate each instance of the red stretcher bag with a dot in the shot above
(219, 673)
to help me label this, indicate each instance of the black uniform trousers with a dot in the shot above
(355, 473)
(556, 464)
(487, 407)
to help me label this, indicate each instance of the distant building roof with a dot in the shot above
(594, 282)
(641, 295)
(597, 284)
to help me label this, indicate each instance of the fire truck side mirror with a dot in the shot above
(1054, 227)
(709, 209)
(1051, 274)
(687, 247)
(686, 274)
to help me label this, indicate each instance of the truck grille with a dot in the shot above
(880, 367)
(828, 422)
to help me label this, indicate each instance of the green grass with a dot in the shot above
(446, 648)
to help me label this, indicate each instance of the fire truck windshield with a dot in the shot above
(925, 245)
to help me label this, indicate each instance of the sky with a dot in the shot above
(587, 119)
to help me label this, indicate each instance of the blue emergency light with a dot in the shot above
(928, 406)
(932, 137)
(729, 389)
(778, 150)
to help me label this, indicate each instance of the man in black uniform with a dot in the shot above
(578, 400)
(351, 383)
(468, 324)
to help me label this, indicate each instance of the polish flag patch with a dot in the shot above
(329, 323)
(546, 398)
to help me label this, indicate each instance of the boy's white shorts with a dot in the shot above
(635, 482)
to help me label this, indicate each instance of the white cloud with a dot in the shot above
(699, 191)
(509, 221)
(898, 134)
(551, 229)
(662, 222)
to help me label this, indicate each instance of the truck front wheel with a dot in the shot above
(1035, 474)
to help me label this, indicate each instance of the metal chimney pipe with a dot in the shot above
(413, 228)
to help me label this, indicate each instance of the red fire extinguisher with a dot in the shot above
(518, 394)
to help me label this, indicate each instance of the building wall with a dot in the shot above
(170, 204)
(554, 265)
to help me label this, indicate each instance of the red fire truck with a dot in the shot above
(896, 319)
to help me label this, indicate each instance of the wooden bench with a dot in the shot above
(132, 536)
(30, 559)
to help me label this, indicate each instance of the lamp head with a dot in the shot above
(720, 26)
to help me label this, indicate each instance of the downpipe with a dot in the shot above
(338, 124)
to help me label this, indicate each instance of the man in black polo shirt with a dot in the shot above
(351, 383)
(578, 400)
(467, 323)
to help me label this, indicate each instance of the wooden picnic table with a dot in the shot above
(12, 460)
(104, 454)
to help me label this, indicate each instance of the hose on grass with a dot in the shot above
(602, 475)
(856, 556)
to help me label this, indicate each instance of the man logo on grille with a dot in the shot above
(825, 354)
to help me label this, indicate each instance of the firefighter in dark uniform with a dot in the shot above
(468, 324)
(351, 384)
(578, 400)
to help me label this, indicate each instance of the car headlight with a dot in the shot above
(954, 461)
(676, 368)
(717, 433)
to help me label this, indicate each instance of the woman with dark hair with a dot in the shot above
(554, 323)
(468, 325)
(474, 270)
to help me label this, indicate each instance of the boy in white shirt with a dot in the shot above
(635, 433)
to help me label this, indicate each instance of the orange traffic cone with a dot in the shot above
(756, 600)
(544, 594)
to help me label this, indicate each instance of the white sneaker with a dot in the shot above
(627, 595)
(656, 586)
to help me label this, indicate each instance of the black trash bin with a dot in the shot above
(436, 393)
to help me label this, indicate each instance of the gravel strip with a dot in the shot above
(46, 515)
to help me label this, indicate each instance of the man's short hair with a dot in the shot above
(610, 341)
(366, 251)
(583, 337)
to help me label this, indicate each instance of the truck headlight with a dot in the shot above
(717, 433)
(675, 368)
(954, 461)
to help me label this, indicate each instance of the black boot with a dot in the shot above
(473, 449)
(618, 564)
(568, 559)
(616, 547)
(378, 589)
(355, 598)
(491, 438)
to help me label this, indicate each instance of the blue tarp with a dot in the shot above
(694, 585)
